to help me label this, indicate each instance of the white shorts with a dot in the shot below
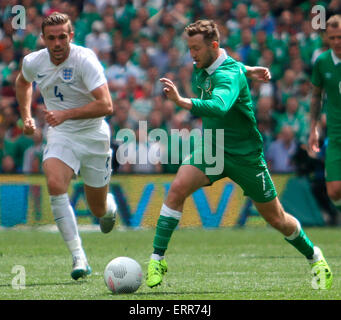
(87, 152)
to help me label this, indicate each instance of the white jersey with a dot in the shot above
(67, 85)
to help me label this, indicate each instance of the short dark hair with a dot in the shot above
(208, 28)
(55, 19)
(334, 21)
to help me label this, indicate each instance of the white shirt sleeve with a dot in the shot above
(27, 70)
(93, 72)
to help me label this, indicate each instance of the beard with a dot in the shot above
(210, 58)
(60, 55)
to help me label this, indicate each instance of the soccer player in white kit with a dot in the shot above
(77, 98)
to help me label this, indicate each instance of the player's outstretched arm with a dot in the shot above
(223, 96)
(101, 106)
(23, 91)
(258, 73)
(315, 111)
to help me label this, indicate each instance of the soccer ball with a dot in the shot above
(123, 275)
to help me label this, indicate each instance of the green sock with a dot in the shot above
(164, 229)
(303, 244)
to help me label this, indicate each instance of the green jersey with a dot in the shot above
(225, 103)
(327, 75)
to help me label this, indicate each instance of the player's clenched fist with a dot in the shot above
(29, 126)
(314, 140)
(55, 117)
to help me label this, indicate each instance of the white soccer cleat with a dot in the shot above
(80, 268)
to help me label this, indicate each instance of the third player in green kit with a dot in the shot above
(326, 78)
(224, 104)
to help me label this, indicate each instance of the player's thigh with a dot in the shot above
(60, 162)
(206, 173)
(334, 190)
(191, 176)
(333, 169)
(58, 175)
(187, 180)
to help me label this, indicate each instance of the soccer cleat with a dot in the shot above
(322, 274)
(80, 268)
(156, 271)
(107, 223)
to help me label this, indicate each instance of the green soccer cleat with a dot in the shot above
(322, 274)
(156, 270)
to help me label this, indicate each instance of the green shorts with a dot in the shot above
(249, 172)
(333, 161)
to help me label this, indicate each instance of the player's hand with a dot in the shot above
(259, 74)
(55, 117)
(29, 126)
(170, 90)
(314, 140)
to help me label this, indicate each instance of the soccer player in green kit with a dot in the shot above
(225, 103)
(326, 77)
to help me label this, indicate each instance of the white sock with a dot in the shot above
(317, 256)
(66, 223)
(155, 256)
(75, 247)
(168, 212)
(111, 206)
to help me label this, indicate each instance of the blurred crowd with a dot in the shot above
(140, 41)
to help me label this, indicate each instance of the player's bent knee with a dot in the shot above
(178, 191)
(177, 194)
(55, 186)
(175, 198)
(276, 222)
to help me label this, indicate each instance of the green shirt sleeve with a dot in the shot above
(242, 66)
(316, 78)
(224, 94)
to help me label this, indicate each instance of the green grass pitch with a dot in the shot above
(254, 263)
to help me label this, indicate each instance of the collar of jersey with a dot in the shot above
(335, 58)
(216, 64)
